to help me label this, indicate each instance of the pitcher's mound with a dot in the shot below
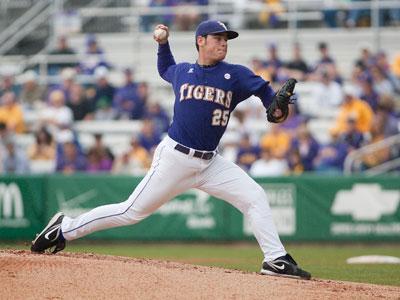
(88, 276)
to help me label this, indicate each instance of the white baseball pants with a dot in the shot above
(171, 174)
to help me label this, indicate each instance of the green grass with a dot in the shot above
(327, 261)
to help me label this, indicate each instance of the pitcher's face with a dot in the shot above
(214, 47)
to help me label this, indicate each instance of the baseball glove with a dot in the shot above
(278, 111)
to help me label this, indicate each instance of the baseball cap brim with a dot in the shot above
(231, 34)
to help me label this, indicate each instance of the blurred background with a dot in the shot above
(80, 93)
(80, 90)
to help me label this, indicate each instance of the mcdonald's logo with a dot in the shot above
(11, 206)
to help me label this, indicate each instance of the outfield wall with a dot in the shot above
(305, 208)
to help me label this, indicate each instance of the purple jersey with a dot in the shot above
(206, 96)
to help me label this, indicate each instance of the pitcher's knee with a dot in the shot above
(254, 198)
(258, 194)
(135, 215)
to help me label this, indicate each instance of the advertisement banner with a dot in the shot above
(21, 207)
(312, 208)
(304, 208)
(337, 208)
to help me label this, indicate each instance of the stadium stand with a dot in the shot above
(117, 31)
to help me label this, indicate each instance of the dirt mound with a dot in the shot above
(88, 276)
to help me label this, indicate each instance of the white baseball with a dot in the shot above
(160, 33)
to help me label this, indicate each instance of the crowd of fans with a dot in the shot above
(365, 106)
(270, 14)
(366, 109)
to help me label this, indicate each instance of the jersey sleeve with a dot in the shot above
(252, 84)
(165, 62)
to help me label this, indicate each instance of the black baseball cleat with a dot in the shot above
(284, 266)
(50, 237)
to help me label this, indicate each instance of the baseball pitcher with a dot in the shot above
(206, 93)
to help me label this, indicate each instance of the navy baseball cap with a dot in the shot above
(214, 27)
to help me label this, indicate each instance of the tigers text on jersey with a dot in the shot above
(206, 96)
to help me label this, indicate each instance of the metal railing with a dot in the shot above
(353, 161)
(8, 36)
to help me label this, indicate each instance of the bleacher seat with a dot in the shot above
(42, 166)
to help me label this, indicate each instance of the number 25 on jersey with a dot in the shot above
(220, 117)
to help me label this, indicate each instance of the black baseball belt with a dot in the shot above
(206, 155)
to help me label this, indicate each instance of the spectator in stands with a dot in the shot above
(267, 165)
(380, 155)
(144, 94)
(7, 84)
(62, 48)
(70, 160)
(188, 16)
(159, 116)
(126, 102)
(352, 137)
(148, 21)
(148, 137)
(357, 73)
(294, 162)
(366, 59)
(270, 14)
(382, 62)
(273, 62)
(93, 57)
(247, 153)
(297, 67)
(327, 92)
(14, 159)
(33, 94)
(385, 115)
(277, 141)
(11, 113)
(103, 95)
(3, 132)
(101, 149)
(381, 84)
(136, 161)
(80, 106)
(353, 107)
(325, 57)
(44, 147)
(330, 158)
(259, 69)
(57, 116)
(368, 94)
(307, 147)
(100, 146)
(326, 64)
(98, 161)
(68, 76)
